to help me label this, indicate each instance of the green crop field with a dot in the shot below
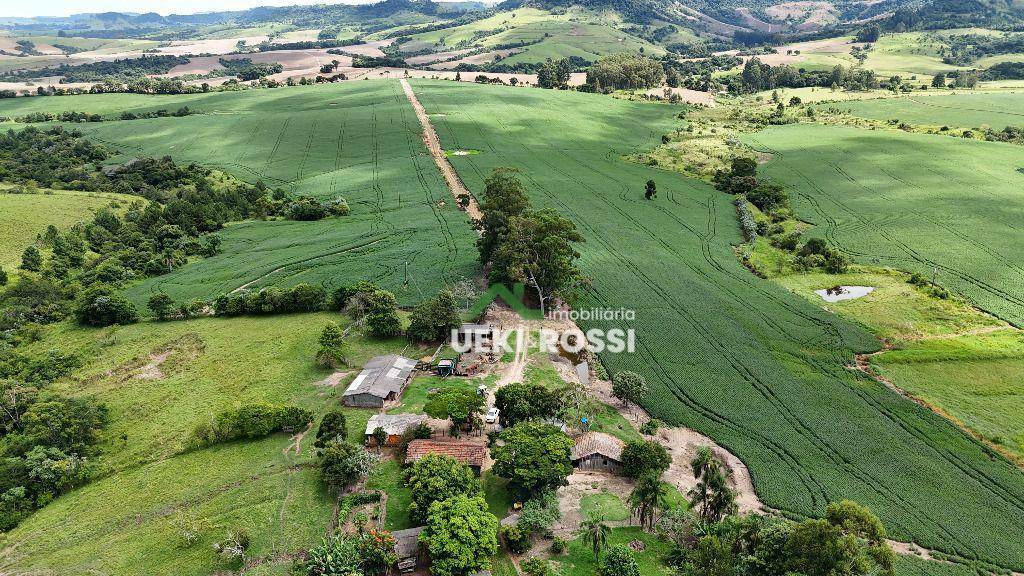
(360, 141)
(930, 204)
(996, 110)
(147, 492)
(27, 215)
(738, 358)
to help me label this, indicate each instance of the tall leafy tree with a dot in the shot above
(503, 199)
(534, 457)
(438, 477)
(461, 536)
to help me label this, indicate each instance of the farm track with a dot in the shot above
(434, 146)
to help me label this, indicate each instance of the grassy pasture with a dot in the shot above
(738, 358)
(27, 215)
(359, 140)
(964, 109)
(148, 491)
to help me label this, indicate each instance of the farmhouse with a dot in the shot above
(598, 451)
(395, 425)
(469, 452)
(383, 378)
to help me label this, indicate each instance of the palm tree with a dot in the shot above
(648, 497)
(595, 532)
(712, 493)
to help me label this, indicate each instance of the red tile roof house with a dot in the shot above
(469, 452)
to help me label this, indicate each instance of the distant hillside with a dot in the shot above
(723, 17)
(110, 23)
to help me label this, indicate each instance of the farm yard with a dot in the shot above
(760, 370)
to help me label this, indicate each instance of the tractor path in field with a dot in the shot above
(434, 146)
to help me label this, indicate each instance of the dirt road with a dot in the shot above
(434, 145)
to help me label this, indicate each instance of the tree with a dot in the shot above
(457, 404)
(332, 428)
(625, 71)
(380, 437)
(768, 197)
(650, 190)
(645, 458)
(712, 495)
(869, 33)
(31, 259)
(534, 457)
(382, 314)
(538, 251)
(648, 497)
(619, 560)
(333, 351)
(436, 477)
(594, 532)
(434, 319)
(939, 81)
(3, 276)
(504, 198)
(160, 305)
(342, 463)
(629, 387)
(461, 536)
(519, 402)
(100, 305)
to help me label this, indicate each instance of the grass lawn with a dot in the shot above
(604, 505)
(388, 476)
(415, 396)
(579, 561)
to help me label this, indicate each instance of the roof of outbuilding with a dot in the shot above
(394, 424)
(407, 542)
(468, 452)
(382, 376)
(597, 443)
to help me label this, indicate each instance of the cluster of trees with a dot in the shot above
(964, 49)
(46, 440)
(554, 74)
(246, 70)
(361, 61)
(250, 421)
(271, 300)
(967, 78)
(1004, 71)
(848, 540)
(307, 209)
(522, 245)
(758, 76)
(78, 117)
(122, 70)
(625, 71)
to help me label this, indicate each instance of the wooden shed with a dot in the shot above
(598, 451)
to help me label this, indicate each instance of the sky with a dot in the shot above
(21, 8)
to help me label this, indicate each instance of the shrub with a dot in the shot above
(539, 514)
(619, 560)
(100, 305)
(558, 546)
(342, 463)
(337, 555)
(251, 421)
(537, 567)
(650, 427)
(515, 538)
